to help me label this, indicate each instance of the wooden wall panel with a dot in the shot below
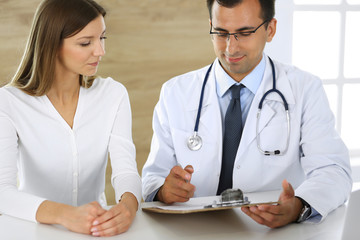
(148, 43)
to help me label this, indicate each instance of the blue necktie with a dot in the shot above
(232, 136)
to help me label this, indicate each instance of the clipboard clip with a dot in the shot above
(230, 198)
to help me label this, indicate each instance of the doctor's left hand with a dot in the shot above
(117, 219)
(273, 216)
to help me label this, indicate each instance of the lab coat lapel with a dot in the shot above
(267, 113)
(210, 125)
(210, 119)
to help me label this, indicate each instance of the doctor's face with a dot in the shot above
(239, 57)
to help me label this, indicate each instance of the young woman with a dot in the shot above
(58, 123)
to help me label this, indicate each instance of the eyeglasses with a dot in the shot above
(222, 36)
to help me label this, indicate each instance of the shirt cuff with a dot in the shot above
(151, 196)
(314, 217)
(129, 183)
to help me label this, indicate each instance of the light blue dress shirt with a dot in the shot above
(252, 82)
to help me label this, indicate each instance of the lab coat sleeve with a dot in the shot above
(12, 201)
(125, 177)
(161, 158)
(325, 158)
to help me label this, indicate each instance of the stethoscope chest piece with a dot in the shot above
(194, 142)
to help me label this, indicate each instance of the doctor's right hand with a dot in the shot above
(177, 186)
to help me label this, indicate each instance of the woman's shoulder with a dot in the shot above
(107, 86)
(13, 92)
(11, 97)
(6, 90)
(4, 97)
(106, 90)
(10, 93)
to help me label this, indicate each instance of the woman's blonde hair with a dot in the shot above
(53, 21)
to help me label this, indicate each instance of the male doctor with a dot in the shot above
(311, 165)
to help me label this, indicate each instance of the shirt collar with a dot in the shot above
(251, 81)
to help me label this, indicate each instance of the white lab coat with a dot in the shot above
(316, 163)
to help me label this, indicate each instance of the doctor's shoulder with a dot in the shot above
(185, 83)
(298, 78)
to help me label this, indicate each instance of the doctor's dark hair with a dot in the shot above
(267, 6)
(54, 20)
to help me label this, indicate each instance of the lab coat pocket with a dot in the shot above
(185, 156)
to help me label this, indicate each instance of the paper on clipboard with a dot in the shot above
(194, 205)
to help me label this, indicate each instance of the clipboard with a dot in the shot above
(228, 199)
(165, 210)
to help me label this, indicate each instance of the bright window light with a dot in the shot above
(351, 116)
(316, 42)
(352, 48)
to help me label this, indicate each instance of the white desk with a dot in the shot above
(227, 224)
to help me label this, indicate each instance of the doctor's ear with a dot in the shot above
(271, 29)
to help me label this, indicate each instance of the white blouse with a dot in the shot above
(57, 163)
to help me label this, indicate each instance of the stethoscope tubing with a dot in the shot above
(196, 128)
(273, 89)
(196, 145)
(286, 106)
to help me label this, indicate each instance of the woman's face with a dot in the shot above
(81, 53)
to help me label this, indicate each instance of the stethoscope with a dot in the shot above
(195, 142)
